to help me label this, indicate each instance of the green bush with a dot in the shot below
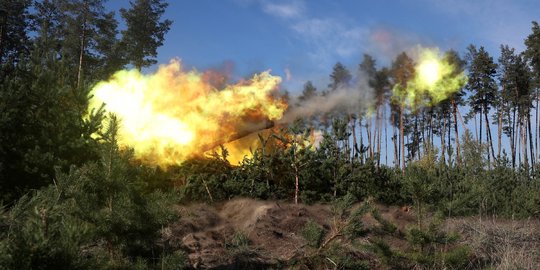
(339, 256)
(313, 233)
(94, 217)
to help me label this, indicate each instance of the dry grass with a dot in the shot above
(500, 244)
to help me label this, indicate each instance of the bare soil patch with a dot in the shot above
(254, 234)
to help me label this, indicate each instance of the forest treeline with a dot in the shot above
(72, 199)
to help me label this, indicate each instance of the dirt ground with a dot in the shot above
(273, 229)
(269, 233)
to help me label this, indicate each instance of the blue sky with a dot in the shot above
(304, 39)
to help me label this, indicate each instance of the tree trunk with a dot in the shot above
(519, 139)
(79, 70)
(458, 161)
(531, 146)
(2, 39)
(512, 137)
(475, 128)
(443, 145)
(480, 128)
(499, 132)
(369, 137)
(361, 154)
(83, 39)
(524, 141)
(395, 141)
(379, 124)
(430, 131)
(352, 120)
(488, 136)
(401, 137)
(385, 138)
(536, 131)
(449, 130)
(416, 139)
(423, 134)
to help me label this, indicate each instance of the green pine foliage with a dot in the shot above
(312, 233)
(95, 216)
(42, 127)
(431, 248)
(145, 31)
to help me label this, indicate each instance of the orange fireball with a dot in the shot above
(174, 114)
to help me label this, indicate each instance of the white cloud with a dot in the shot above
(289, 10)
(329, 39)
(316, 28)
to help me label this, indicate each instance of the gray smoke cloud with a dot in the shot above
(346, 99)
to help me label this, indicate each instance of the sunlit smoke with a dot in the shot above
(356, 98)
(171, 115)
(435, 80)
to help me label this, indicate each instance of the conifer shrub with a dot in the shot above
(313, 233)
(97, 216)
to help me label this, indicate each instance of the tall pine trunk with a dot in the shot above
(369, 137)
(480, 128)
(379, 124)
(395, 141)
(531, 146)
(513, 138)
(442, 135)
(361, 148)
(449, 130)
(489, 139)
(536, 131)
(83, 40)
(401, 137)
(353, 132)
(458, 161)
(499, 132)
(385, 138)
(524, 141)
(2, 26)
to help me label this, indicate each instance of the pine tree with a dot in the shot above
(49, 29)
(456, 99)
(516, 98)
(507, 99)
(340, 77)
(483, 88)
(41, 128)
(377, 81)
(369, 71)
(382, 90)
(83, 35)
(402, 72)
(145, 31)
(89, 37)
(14, 27)
(308, 92)
(524, 99)
(532, 54)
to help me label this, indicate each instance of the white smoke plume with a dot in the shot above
(356, 98)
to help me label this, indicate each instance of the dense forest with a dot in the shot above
(71, 197)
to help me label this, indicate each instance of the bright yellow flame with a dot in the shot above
(429, 72)
(435, 80)
(172, 114)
